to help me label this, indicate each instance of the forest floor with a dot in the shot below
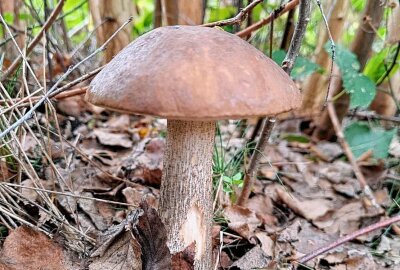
(306, 196)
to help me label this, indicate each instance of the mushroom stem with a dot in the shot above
(186, 188)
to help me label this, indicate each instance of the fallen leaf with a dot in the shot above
(118, 248)
(309, 209)
(253, 259)
(184, 260)
(262, 205)
(118, 122)
(135, 194)
(152, 236)
(123, 254)
(145, 163)
(108, 138)
(26, 248)
(242, 220)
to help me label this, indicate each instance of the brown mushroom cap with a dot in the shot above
(193, 73)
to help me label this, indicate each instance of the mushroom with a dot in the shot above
(193, 76)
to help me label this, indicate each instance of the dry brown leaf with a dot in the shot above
(242, 220)
(145, 163)
(26, 248)
(184, 260)
(266, 243)
(73, 106)
(118, 122)
(263, 207)
(336, 172)
(346, 219)
(118, 248)
(91, 210)
(254, 259)
(108, 138)
(309, 209)
(123, 254)
(152, 236)
(135, 194)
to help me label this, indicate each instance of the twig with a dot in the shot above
(299, 31)
(333, 51)
(275, 14)
(370, 115)
(347, 150)
(239, 18)
(57, 94)
(27, 115)
(349, 237)
(304, 18)
(392, 65)
(255, 160)
(33, 43)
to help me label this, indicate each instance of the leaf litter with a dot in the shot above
(306, 196)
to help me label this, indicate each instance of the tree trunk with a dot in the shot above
(316, 85)
(361, 47)
(111, 15)
(157, 16)
(182, 12)
(186, 188)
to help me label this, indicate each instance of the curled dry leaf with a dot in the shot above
(135, 194)
(184, 260)
(263, 207)
(346, 219)
(152, 236)
(118, 248)
(309, 209)
(108, 138)
(242, 220)
(26, 248)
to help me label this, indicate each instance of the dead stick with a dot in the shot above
(275, 14)
(56, 94)
(349, 237)
(250, 174)
(347, 150)
(35, 41)
(238, 18)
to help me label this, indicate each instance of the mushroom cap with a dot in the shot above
(193, 73)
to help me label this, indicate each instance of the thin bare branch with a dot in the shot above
(239, 18)
(29, 114)
(275, 14)
(348, 238)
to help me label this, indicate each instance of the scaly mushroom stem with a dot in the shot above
(186, 188)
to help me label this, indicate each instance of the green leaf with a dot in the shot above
(222, 13)
(237, 176)
(362, 138)
(345, 59)
(227, 179)
(361, 89)
(295, 138)
(302, 67)
(375, 68)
